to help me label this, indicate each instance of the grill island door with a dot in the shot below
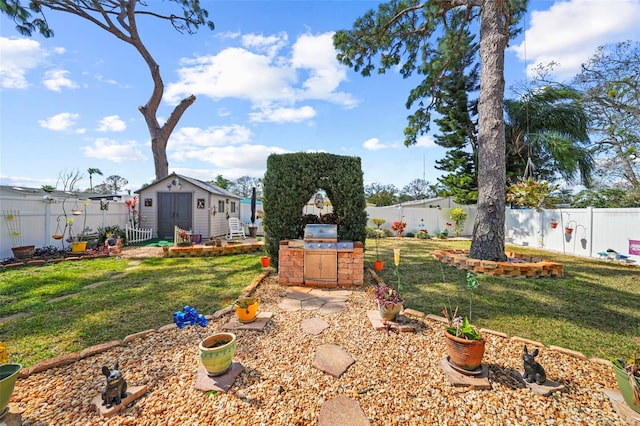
(321, 265)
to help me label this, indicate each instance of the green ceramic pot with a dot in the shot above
(625, 387)
(8, 377)
(216, 353)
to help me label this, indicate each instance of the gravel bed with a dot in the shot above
(395, 379)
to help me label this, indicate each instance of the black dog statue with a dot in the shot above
(116, 388)
(533, 371)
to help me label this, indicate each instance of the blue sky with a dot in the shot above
(266, 81)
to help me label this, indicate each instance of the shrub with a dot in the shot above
(410, 235)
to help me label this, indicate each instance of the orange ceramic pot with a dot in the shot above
(464, 353)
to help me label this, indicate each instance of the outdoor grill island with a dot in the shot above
(320, 260)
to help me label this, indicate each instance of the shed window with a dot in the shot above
(220, 206)
(233, 207)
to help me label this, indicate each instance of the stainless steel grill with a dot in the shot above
(320, 253)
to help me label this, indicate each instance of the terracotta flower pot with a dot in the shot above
(378, 265)
(554, 225)
(568, 231)
(463, 353)
(265, 261)
(216, 353)
(23, 252)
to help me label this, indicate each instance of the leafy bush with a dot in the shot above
(410, 235)
(423, 235)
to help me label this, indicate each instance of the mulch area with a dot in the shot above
(395, 379)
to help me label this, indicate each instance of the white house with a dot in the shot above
(188, 203)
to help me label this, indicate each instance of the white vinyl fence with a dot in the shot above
(594, 230)
(40, 219)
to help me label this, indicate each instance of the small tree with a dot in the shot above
(458, 216)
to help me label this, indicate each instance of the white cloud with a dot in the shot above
(111, 123)
(282, 115)
(267, 44)
(374, 144)
(271, 81)
(231, 157)
(107, 149)
(186, 139)
(60, 122)
(19, 56)
(570, 31)
(57, 79)
(425, 142)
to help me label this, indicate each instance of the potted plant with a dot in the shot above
(185, 239)
(628, 377)
(568, 230)
(8, 377)
(388, 298)
(553, 223)
(378, 264)
(265, 260)
(216, 351)
(465, 344)
(247, 308)
(12, 220)
(399, 227)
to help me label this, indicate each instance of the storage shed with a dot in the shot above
(188, 203)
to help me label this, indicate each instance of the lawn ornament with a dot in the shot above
(116, 387)
(533, 371)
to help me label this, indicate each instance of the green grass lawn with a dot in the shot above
(145, 298)
(594, 308)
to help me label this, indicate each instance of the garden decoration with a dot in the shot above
(533, 371)
(216, 351)
(12, 220)
(378, 264)
(465, 345)
(115, 388)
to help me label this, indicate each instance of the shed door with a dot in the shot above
(174, 209)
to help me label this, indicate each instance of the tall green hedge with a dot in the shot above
(292, 179)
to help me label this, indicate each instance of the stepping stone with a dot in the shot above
(297, 295)
(113, 277)
(131, 268)
(342, 410)
(11, 416)
(545, 389)
(94, 285)
(312, 304)
(624, 411)
(480, 381)
(222, 383)
(135, 262)
(314, 325)
(401, 323)
(261, 321)
(133, 393)
(66, 296)
(290, 305)
(332, 359)
(342, 294)
(332, 308)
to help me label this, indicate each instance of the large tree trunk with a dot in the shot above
(488, 230)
